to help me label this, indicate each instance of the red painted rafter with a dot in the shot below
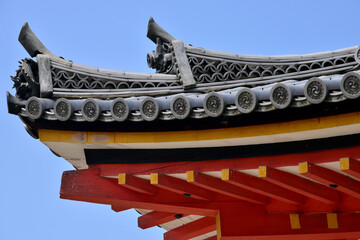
(326, 176)
(156, 218)
(238, 220)
(182, 187)
(136, 184)
(300, 185)
(118, 208)
(261, 186)
(350, 166)
(219, 186)
(212, 238)
(90, 187)
(192, 229)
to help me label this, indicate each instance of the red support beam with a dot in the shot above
(192, 229)
(136, 184)
(350, 166)
(182, 187)
(87, 185)
(118, 208)
(300, 185)
(261, 186)
(219, 186)
(328, 177)
(157, 218)
(212, 238)
(241, 221)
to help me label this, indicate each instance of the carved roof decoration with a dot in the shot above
(189, 82)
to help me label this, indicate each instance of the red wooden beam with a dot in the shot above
(328, 177)
(261, 186)
(88, 186)
(192, 229)
(118, 208)
(156, 218)
(182, 187)
(219, 186)
(136, 184)
(300, 185)
(350, 166)
(212, 238)
(241, 221)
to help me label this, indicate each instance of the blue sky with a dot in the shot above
(112, 34)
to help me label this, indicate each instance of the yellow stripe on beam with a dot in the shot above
(262, 171)
(218, 226)
(190, 176)
(344, 164)
(122, 178)
(225, 174)
(294, 221)
(303, 167)
(154, 178)
(332, 221)
(200, 135)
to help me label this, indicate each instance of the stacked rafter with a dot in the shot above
(296, 196)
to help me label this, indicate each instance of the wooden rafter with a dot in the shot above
(350, 166)
(157, 218)
(90, 187)
(118, 208)
(276, 205)
(191, 230)
(331, 178)
(261, 186)
(219, 186)
(182, 187)
(300, 185)
(136, 184)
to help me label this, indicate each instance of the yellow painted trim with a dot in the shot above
(122, 178)
(46, 135)
(332, 221)
(262, 171)
(201, 135)
(218, 226)
(154, 178)
(225, 174)
(303, 167)
(344, 164)
(190, 176)
(294, 221)
(101, 137)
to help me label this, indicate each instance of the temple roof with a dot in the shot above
(189, 82)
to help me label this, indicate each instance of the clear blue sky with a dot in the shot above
(112, 34)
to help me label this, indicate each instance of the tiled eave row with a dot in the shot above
(230, 102)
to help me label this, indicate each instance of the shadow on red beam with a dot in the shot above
(330, 155)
